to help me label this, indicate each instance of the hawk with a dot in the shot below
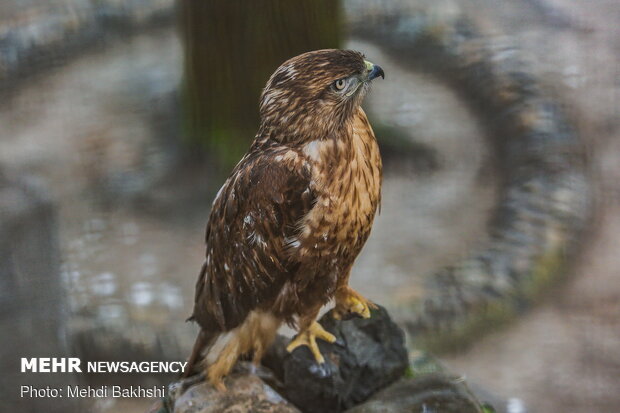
(287, 225)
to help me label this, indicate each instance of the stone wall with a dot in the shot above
(42, 36)
(33, 314)
(545, 200)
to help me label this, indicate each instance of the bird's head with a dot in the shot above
(315, 94)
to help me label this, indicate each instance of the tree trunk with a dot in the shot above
(231, 49)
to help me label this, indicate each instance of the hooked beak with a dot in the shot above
(373, 71)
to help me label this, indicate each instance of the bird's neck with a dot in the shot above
(307, 129)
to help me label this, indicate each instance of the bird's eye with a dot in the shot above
(340, 84)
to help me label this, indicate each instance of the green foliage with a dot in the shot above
(487, 408)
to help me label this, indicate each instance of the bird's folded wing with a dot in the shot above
(250, 235)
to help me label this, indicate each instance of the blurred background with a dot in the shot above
(121, 119)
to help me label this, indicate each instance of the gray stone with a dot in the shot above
(45, 36)
(368, 362)
(246, 393)
(369, 355)
(430, 393)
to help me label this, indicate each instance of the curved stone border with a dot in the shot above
(46, 37)
(545, 201)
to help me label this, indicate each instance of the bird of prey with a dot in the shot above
(287, 225)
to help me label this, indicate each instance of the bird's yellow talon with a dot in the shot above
(308, 338)
(349, 301)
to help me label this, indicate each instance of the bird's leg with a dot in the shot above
(349, 301)
(309, 331)
(258, 353)
(225, 361)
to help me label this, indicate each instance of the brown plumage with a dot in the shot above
(288, 223)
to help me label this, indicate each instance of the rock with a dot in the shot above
(430, 393)
(369, 355)
(245, 393)
(367, 361)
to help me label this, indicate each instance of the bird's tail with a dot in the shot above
(203, 340)
(220, 350)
